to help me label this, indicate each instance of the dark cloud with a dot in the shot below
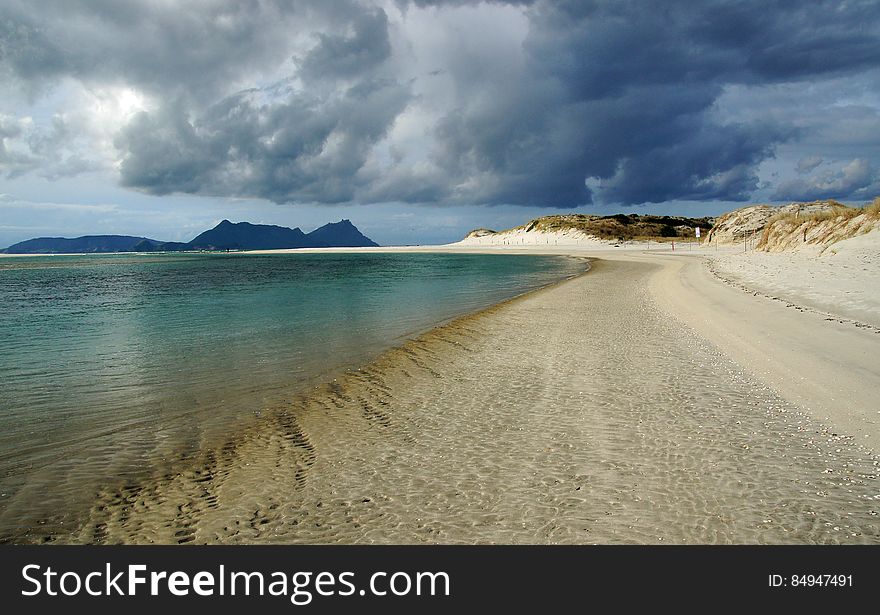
(602, 101)
(707, 162)
(300, 149)
(171, 49)
(721, 40)
(636, 87)
(350, 55)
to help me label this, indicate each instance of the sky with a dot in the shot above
(420, 120)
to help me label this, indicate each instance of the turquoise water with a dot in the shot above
(111, 363)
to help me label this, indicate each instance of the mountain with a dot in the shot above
(341, 234)
(151, 245)
(225, 236)
(247, 236)
(89, 243)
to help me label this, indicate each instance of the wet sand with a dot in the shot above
(826, 364)
(593, 411)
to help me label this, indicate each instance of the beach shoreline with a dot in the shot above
(704, 289)
(586, 411)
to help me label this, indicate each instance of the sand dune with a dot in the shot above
(522, 236)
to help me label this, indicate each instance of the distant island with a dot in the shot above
(225, 236)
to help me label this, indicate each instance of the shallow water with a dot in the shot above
(112, 365)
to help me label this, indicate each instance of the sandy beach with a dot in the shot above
(646, 401)
(842, 280)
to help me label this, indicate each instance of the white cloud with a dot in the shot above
(856, 179)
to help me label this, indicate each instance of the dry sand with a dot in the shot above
(842, 280)
(642, 402)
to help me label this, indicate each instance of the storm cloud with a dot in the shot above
(555, 104)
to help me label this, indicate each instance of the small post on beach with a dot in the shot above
(673, 246)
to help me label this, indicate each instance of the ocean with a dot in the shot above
(113, 365)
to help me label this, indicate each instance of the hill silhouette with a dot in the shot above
(225, 236)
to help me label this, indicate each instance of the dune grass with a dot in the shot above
(839, 213)
(622, 227)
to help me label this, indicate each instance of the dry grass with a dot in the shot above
(790, 220)
(838, 210)
(839, 213)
